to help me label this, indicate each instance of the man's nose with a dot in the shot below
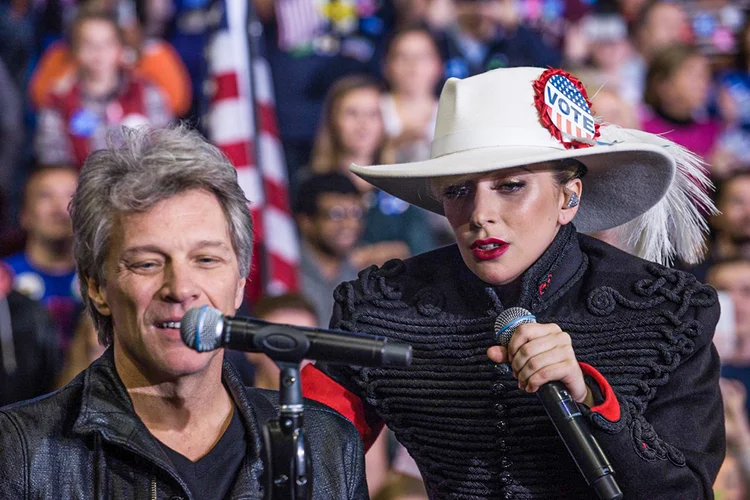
(179, 284)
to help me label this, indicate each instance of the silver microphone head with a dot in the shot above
(507, 322)
(201, 327)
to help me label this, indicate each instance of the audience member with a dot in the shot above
(29, 349)
(734, 107)
(16, 39)
(100, 96)
(733, 277)
(329, 214)
(352, 132)
(677, 91)
(600, 41)
(83, 350)
(11, 143)
(290, 309)
(733, 481)
(45, 270)
(732, 225)
(659, 24)
(310, 45)
(150, 58)
(412, 70)
(489, 35)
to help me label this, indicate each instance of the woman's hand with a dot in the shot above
(540, 353)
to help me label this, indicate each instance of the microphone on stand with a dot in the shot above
(205, 329)
(565, 415)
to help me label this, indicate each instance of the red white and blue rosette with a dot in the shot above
(564, 109)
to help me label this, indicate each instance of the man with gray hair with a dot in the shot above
(160, 226)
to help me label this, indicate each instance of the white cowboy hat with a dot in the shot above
(522, 116)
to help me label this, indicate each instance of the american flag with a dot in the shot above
(299, 22)
(241, 120)
(570, 124)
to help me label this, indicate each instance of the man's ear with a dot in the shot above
(98, 296)
(571, 200)
(240, 294)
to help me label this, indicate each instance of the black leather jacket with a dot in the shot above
(85, 441)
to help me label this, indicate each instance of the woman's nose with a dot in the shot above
(485, 207)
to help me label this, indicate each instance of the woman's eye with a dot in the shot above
(511, 187)
(455, 192)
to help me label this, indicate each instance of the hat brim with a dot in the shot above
(623, 180)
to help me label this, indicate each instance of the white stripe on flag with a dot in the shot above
(282, 235)
(263, 86)
(250, 182)
(228, 123)
(221, 54)
(272, 158)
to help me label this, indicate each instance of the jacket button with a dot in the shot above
(502, 426)
(502, 445)
(499, 388)
(505, 463)
(500, 409)
(502, 368)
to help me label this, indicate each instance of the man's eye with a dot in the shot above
(456, 192)
(144, 266)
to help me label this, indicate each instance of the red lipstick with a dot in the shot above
(488, 249)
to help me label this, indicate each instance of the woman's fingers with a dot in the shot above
(528, 332)
(531, 350)
(568, 372)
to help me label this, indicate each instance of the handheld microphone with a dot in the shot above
(565, 415)
(205, 329)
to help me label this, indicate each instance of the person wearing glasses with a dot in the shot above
(330, 215)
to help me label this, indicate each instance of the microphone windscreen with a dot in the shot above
(199, 326)
(507, 322)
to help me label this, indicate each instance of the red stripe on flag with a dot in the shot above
(239, 153)
(268, 119)
(568, 127)
(286, 272)
(559, 121)
(226, 87)
(277, 195)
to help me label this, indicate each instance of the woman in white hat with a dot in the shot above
(521, 169)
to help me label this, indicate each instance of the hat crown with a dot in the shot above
(492, 109)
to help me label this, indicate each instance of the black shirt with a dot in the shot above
(212, 476)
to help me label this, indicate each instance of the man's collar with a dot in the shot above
(106, 409)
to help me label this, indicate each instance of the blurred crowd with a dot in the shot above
(355, 81)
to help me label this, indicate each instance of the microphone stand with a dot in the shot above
(288, 466)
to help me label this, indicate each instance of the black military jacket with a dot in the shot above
(474, 435)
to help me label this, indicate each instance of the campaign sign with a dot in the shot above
(566, 106)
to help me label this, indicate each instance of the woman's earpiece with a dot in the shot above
(573, 200)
